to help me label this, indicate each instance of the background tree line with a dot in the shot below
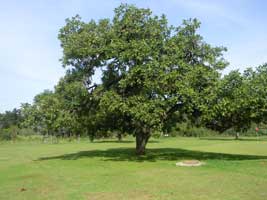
(155, 77)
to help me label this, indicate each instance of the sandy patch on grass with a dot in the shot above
(189, 163)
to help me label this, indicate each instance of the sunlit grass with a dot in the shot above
(110, 170)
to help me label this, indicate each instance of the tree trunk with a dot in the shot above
(237, 136)
(141, 141)
(91, 137)
(119, 137)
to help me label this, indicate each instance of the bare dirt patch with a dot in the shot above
(189, 163)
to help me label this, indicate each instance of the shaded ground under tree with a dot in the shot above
(128, 154)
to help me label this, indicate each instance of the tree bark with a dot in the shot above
(141, 141)
(237, 136)
(91, 137)
(119, 136)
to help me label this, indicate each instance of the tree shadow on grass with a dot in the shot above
(218, 138)
(122, 141)
(113, 141)
(252, 139)
(233, 139)
(127, 154)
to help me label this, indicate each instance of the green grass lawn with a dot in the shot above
(234, 170)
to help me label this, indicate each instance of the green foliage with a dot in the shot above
(10, 133)
(189, 130)
(157, 134)
(150, 70)
(27, 132)
(10, 118)
(239, 100)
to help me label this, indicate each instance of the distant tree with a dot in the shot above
(10, 118)
(43, 114)
(30, 116)
(238, 100)
(78, 105)
(230, 104)
(258, 93)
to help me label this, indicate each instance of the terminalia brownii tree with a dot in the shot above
(150, 70)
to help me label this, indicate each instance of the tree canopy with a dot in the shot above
(150, 70)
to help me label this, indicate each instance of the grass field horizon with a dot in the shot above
(107, 169)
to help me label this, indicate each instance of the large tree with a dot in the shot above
(150, 70)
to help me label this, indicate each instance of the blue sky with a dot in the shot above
(30, 51)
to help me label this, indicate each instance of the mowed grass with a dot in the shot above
(234, 170)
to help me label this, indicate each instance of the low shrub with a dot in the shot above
(187, 130)
(10, 133)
